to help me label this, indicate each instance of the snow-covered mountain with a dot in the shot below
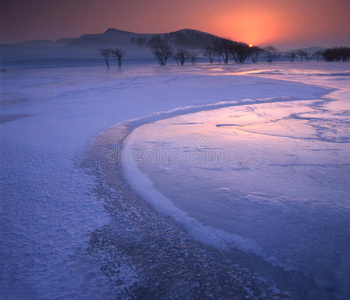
(86, 46)
(188, 38)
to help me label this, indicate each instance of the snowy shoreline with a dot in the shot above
(182, 251)
(240, 273)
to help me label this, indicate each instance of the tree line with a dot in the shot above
(222, 49)
(337, 54)
(225, 50)
(331, 54)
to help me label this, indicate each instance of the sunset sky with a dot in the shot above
(285, 24)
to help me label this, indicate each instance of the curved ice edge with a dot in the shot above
(184, 110)
(143, 186)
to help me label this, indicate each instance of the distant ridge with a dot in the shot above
(109, 30)
(188, 38)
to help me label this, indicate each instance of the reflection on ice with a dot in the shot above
(286, 190)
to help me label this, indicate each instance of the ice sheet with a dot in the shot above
(49, 209)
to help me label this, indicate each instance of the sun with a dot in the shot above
(250, 46)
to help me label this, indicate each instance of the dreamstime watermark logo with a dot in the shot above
(203, 143)
(202, 152)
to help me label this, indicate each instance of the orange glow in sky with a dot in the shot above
(280, 23)
(252, 26)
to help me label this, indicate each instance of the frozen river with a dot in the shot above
(246, 169)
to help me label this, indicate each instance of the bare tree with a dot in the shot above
(105, 53)
(302, 54)
(240, 52)
(118, 55)
(181, 56)
(210, 53)
(193, 56)
(176, 59)
(218, 54)
(271, 53)
(222, 47)
(291, 56)
(318, 54)
(255, 53)
(161, 53)
(309, 56)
